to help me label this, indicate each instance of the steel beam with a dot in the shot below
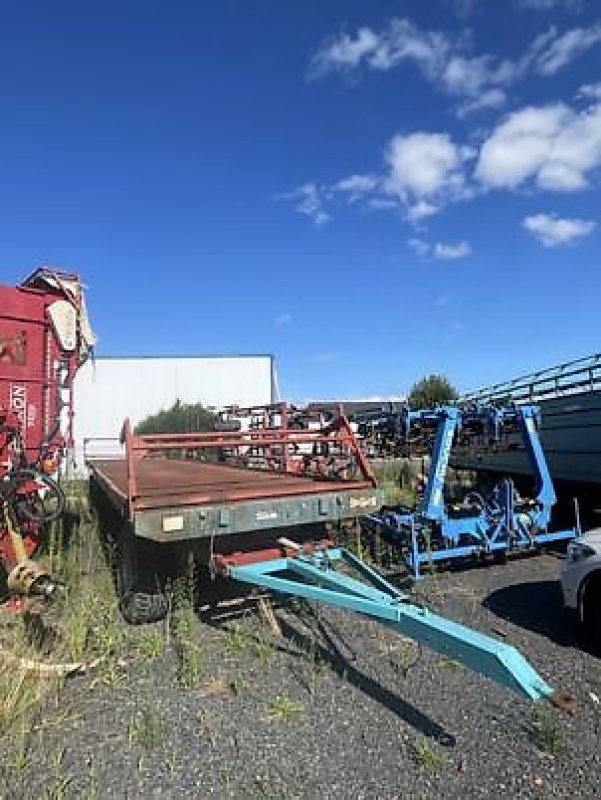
(315, 577)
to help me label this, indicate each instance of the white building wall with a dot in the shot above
(108, 390)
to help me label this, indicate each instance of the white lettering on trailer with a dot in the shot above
(441, 471)
(363, 502)
(18, 402)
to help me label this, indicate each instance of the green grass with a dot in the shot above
(82, 624)
(145, 729)
(283, 708)
(184, 624)
(427, 756)
(545, 732)
(151, 643)
(262, 649)
(235, 639)
(397, 481)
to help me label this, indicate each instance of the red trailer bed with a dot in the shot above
(169, 499)
(166, 482)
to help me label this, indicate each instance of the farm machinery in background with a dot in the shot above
(45, 337)
(381, 432)
(302, 455)
(499, 522)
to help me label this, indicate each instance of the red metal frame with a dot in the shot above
(37, 369)
(239, 558)
(36, 373)
(276, 446)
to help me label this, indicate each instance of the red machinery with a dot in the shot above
(45, 337)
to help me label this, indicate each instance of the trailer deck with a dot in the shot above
(169, 499)
(167, 482)
(187, 499)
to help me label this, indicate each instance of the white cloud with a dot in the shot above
(421, 210)
(440, 250)
(465, 8)
(491, 98)
(553, 148)
(423, 172)
(381, 204)
(356, 187)
(343, 52)
(452, 251)
(551, 145)
(590, 91)
(309, 201)
(447, 61)
(553, 231)
(424, 166)
(400, 42)
(548, 5)
(467, 75)
(419, 247)
(566, 47)
(282, 319)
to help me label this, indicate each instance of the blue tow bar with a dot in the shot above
(314, 577)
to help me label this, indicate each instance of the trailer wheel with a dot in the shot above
(142, 596)
(140, 608)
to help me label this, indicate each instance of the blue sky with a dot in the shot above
(371, 191)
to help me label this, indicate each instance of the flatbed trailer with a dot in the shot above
(230, 497)
(194, 499)
(229, 482)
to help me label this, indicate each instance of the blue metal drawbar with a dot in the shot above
(315, 577)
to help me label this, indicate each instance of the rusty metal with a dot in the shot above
(156, 482)
(150, 477)
(238, 558)
(564, 701)
(29, 579)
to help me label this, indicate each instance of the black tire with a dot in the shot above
(35, 507)
(142, 597)
(140, 608)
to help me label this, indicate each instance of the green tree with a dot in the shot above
(432, 390)
(180, 418)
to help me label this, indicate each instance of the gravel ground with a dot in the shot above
(338, 707)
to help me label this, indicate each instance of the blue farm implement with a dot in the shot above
(499, 523)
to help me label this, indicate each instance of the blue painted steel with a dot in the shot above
(528, 417)
(315, 577)
(432, 506)
(503, 521)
